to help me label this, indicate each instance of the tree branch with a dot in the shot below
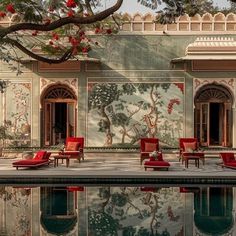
(63, 58)
(63, 21)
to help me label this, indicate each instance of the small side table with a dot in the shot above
(195, 158)
(61, 157)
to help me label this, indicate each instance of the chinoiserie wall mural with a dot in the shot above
(135, 211)
(120, 113)
(18, 113)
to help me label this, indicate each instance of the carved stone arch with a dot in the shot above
(148, 17)
(231, 17)
(127, 17)
(213, 93)
(58, 91)
(137, 17)
(196, 17)
(184, 17)
(207, 17)
(219, 17)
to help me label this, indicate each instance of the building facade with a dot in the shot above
(167, 81)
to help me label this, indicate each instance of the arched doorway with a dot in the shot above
(59, 114)
(213, 116)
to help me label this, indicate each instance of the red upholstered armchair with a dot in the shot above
(228, 159)
(147, 146)
(74, 147)
(189, 146)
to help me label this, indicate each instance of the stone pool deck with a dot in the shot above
(117, 169)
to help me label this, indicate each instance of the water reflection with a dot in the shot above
(116, 211)
(213, 210)
(58, 210)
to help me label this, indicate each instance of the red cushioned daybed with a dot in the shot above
(157, 164)
(40, 159)
(228, 159)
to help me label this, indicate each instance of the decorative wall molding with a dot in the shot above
(44, 83)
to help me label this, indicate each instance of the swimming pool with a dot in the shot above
(117, 210)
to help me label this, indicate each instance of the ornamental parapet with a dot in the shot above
(217, 23)
(145, 23)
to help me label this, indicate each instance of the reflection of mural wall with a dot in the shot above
(129, 211)
(120, 113)
(17, 203)
(18, 111)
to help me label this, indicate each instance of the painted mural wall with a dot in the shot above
(18, 113)
(120, 113)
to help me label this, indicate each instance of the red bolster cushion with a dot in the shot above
(40, 155)
(72, 146)
(190, 147)
(150, 147)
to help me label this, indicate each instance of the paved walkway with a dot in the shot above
(118, 167)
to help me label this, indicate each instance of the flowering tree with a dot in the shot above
(54, 31)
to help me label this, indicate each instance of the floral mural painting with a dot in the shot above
(18, 111)
(120, 113)
(135, 211)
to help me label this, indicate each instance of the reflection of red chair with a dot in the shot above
(40, 159)
(189, 147)
(188, 189)
(75, 188)
(147, 146)
(228, 159)
(74, 147)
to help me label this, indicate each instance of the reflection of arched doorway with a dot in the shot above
(59, 114)
(58, 210)
(213, 210)
(213, 116)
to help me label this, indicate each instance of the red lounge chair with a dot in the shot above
(74, 148)
(40, 159)
(189, 147)
(147, 146)
(156, 164)
(228, 159)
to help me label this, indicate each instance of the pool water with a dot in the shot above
(121, 211)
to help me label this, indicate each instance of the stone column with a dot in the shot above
(189, 107)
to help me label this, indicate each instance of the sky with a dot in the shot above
(131, 6)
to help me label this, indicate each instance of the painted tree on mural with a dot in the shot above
(100, 97)
(133, 110)
(60, 28)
